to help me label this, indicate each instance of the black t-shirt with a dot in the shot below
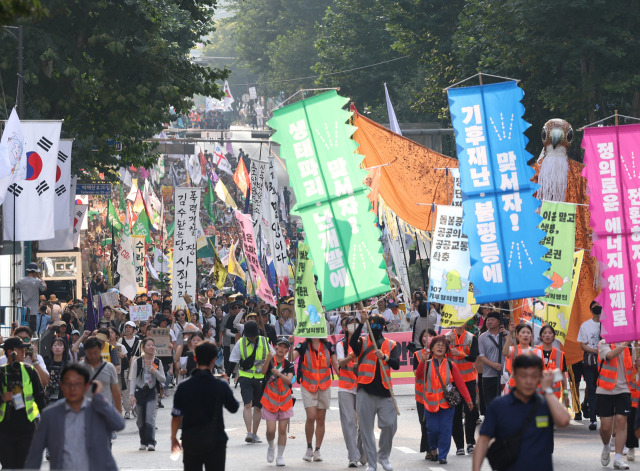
(53, 391)
(547, 356)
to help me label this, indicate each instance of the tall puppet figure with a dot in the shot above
(560, 180)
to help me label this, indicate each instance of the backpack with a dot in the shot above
(156, 361)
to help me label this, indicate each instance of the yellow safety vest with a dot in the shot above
(106, 352)
(27, 391)
(261, 356)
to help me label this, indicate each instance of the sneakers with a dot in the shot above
(631, 454)
(127, 415)
(249, 438)
(442, 461)
(160, 405)
(256, 439)
(460, 452)
(308, 456)
(271, 451)
(353, 464)
(605, 456)
(316, 455)
(386, 465)
(280, 461)
(142, 447)
(625, 450)
(593, 426)
(577, 416)
(151, 448)
(470, 449)
(619, 464)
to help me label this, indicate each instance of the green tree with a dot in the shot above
(12, 9)
(111, 69)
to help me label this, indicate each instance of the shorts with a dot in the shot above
(280, 415)
(608, 405)
(251, 391)
(320, 399)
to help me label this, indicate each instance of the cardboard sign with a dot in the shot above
(161, 338)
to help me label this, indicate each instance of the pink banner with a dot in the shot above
(249, 247)
(612, 170)
(402, 376)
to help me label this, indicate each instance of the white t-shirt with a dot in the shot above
(589, 333)
(387, 314)
(340, 355)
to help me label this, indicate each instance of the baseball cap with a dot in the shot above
(75, 332)
(131, 323)
(283, 341)
(16, 342)
(208, 305)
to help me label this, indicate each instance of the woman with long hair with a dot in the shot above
(523, 334)
(54, 363)
(422, 355)
(147, 374)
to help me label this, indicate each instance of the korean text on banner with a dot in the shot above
(613, 180)
(560, 225)
(126, 266)
(263, 291)
(141, 268)
(449, 278)
(499, 208)
(311, 320)
(331, 198)
(183, 276)
(454, 316)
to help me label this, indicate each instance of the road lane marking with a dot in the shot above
(404, 449)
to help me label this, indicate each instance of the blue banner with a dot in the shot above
(498, 204)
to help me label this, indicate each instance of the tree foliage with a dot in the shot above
(111, 69)
(10, 10)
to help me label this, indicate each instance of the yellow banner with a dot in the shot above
(454, 316)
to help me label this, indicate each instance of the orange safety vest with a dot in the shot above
(277, 395)
(556, 360)
(434, 393)
(516, 351)
(348, 378)
(609, 370)
(315, 369)
(467, 369)
(367, 363)
(419, 379)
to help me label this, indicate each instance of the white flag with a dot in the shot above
(193, 167)
(79, 219)
(13, 155)
(62, 213)
(125, 176)
(160, 261)
(134, 191)
(228, 98)
(221, 160)
(126, 267)
(34, 196)
(64, 238)
(393, 121)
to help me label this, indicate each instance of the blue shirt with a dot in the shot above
(505, 416)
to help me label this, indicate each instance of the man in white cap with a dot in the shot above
(130, 343)
(30, 287)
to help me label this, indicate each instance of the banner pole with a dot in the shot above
(424, 281)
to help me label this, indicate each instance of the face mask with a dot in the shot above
(351, 328)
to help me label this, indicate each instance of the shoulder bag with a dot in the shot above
(504, 452)
(451, 393)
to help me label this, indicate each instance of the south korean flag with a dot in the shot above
(34, 197)
(62, 214)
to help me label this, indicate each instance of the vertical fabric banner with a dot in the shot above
(126, 266)
(263, 291)
(499, 208)
(560, 225)
(331, 198)
(613, 181)
(275, 237)
(79, 219)
(32, 200)
(184, 275)
(62, 214)
(141, 268)
(258, 177)
(311, 320)
(456, 200)
(449, 276)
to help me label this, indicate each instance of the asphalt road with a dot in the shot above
(575, 447)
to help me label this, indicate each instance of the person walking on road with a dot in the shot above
(424, 339)
(613, 398)
(197, 408)
(76, 431)
(525, 411)
(490, 346)
(588, 337)
(314, 373)
(250, 352)
(463, 352)
(440, 374)
(348, 382)
(277, 400)
(147, 374)
(374, 396)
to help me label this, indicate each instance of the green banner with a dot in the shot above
(311, 320)
(209, 201)
(331, 197)
(142, 226)
(560, 225)
(112, 218)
